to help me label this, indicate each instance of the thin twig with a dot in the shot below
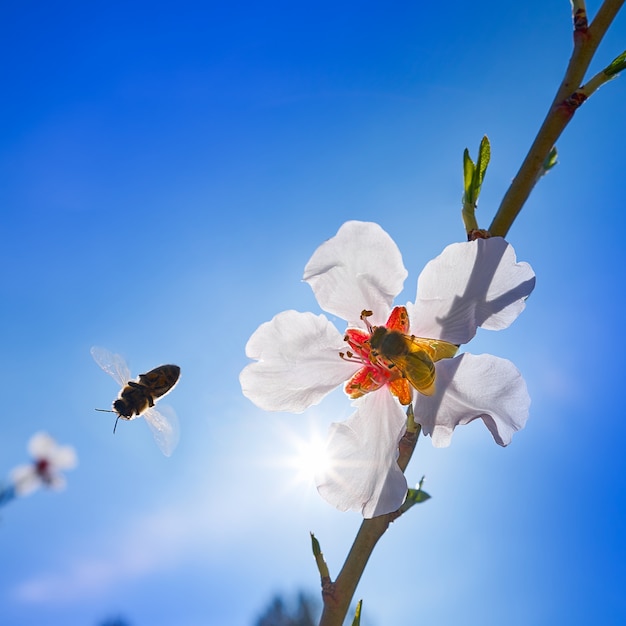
(338, 595)
(561, 111)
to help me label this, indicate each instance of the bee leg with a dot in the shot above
(132, 383)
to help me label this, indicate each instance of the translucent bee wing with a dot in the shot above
(437, 349)
(164, 426)
(419, 369)
(113, 364)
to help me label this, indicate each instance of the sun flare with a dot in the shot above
(308, 457)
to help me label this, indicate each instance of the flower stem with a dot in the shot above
(561, 111)
(337, 600)
(579, 14)
(7, 494)
(338, 595)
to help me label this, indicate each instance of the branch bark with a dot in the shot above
(561, 111)
(338, 595)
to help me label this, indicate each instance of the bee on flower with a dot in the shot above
(389, 357)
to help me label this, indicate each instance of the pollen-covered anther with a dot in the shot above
(365, 313)
(348, 355)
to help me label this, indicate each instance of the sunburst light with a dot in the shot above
(306, 457)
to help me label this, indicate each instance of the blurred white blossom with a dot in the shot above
(48, 460)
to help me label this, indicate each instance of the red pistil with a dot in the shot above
(42, 467)
(376, 371)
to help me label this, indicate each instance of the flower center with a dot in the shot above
(363, 348)
(42, 467)
(390, 356)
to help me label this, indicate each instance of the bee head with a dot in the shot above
(377, 336)
(121, 407)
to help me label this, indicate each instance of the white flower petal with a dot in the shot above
(25, 479)
(64, 457)
(471, 387)
(362, 472)
(56, 482)
(471, 284)
(298, 362)
(41, 446)
(359, 268)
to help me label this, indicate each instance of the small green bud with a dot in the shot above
(616, 66)
(550, 160)
(473, 176)
(357, 614)
(315, 545)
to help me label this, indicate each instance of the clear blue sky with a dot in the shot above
(166, 171)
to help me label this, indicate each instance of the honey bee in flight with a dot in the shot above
(137, 397)
(414, 357)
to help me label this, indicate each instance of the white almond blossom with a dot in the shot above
(48, 459)
(301, 357)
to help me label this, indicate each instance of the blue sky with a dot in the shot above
(166, 171)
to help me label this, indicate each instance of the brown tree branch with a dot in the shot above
(561, 111)
(338, 595)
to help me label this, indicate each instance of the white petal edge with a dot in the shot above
(470, 284)
(362, 472)
(471, 387)
(359, 268)
(43, 446)
(25, 480)
(64, 457)
(298, 362)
